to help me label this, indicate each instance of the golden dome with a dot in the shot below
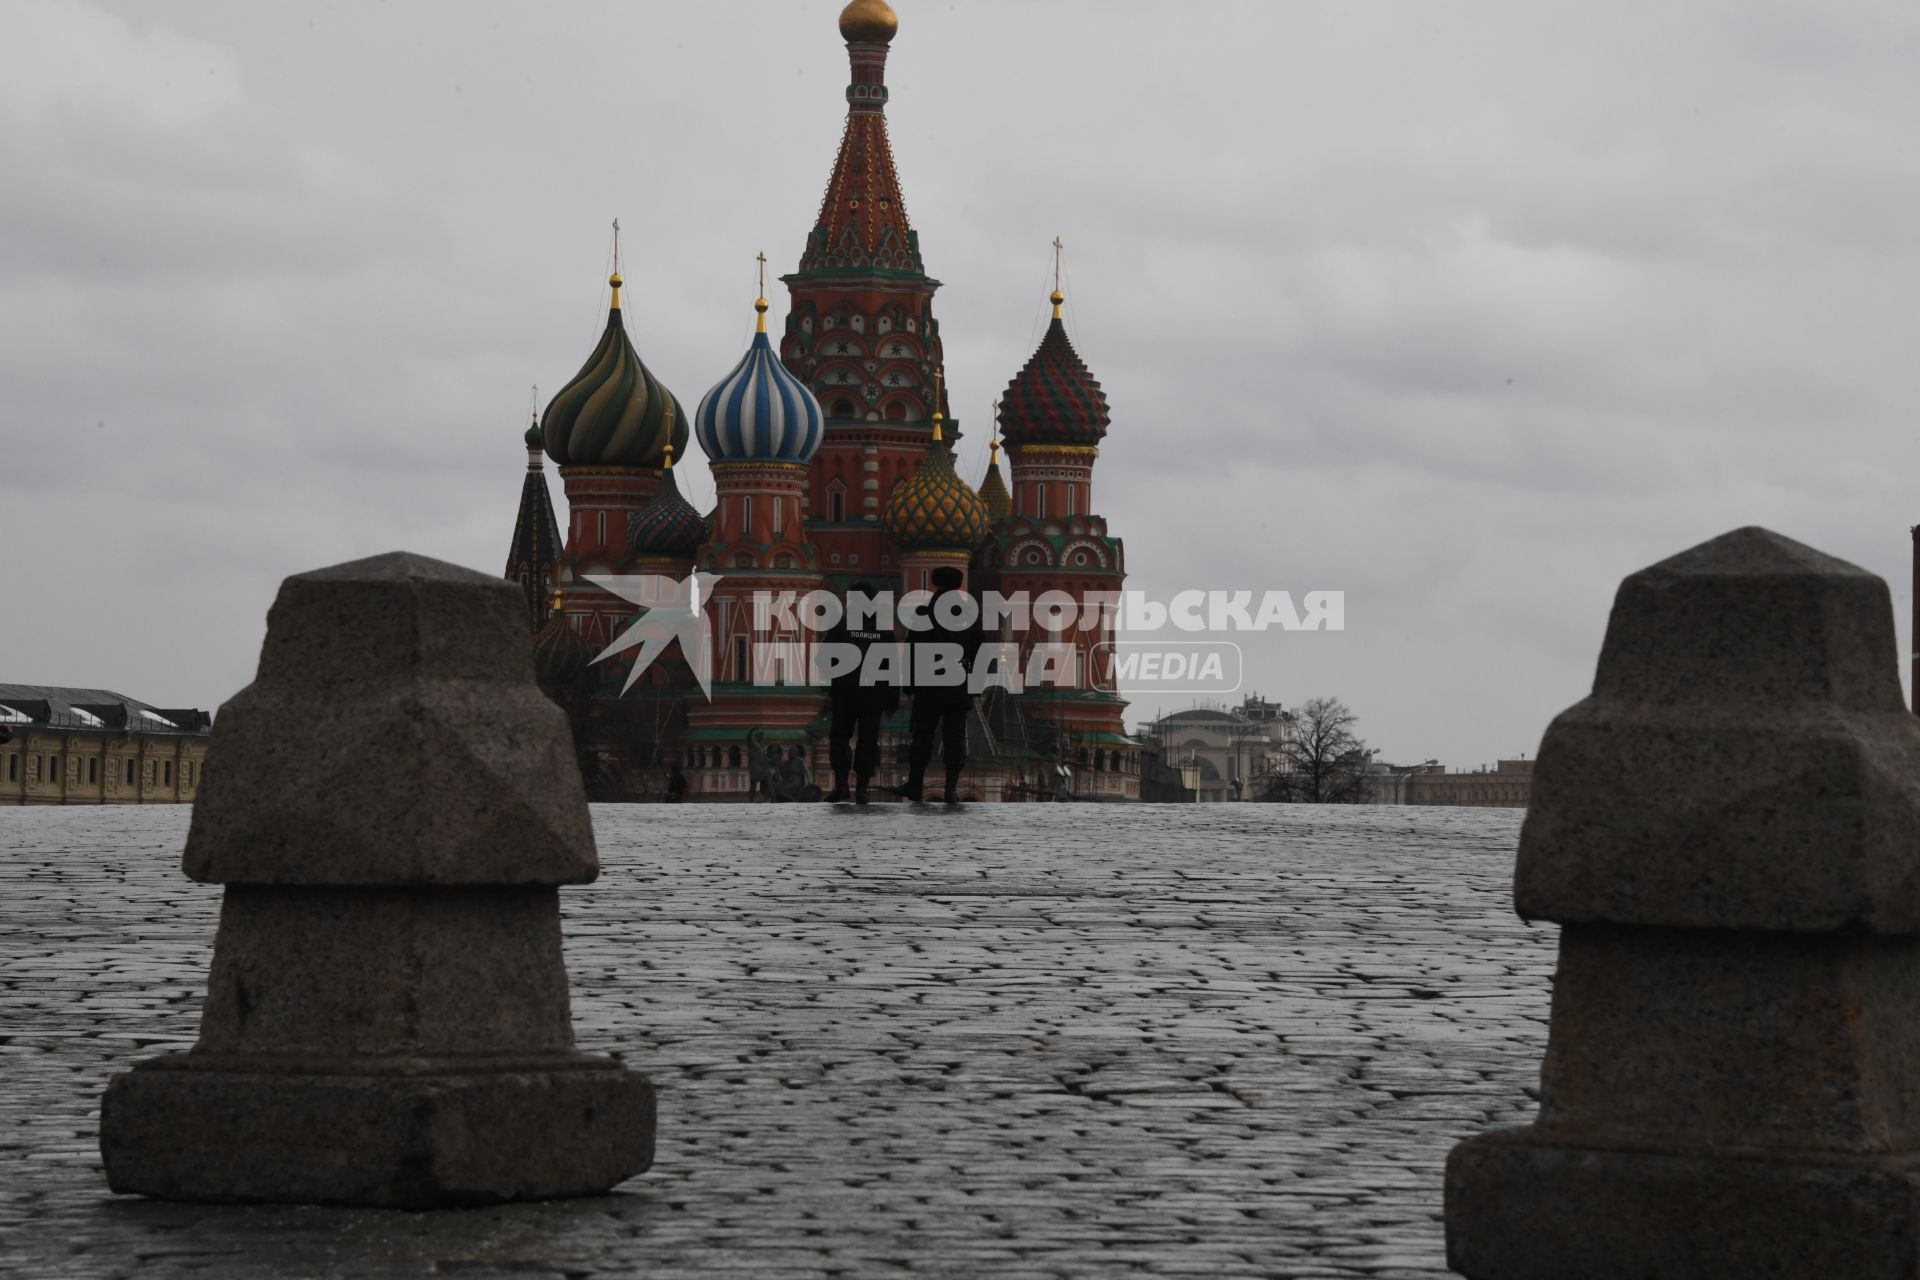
(869, 22)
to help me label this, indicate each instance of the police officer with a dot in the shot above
(941, 705)
(858, 704)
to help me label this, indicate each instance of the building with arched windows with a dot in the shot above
(1228, 753)
(831, 447)
(94, 746)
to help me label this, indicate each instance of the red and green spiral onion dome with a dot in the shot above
(1054, 400)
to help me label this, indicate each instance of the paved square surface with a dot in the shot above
(1006, 1042)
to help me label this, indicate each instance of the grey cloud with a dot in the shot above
(1466, 310)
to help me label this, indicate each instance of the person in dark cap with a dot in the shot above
(941, 704)
(858, 704)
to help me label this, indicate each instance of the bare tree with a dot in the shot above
(1325, 762)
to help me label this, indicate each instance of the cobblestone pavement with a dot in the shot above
(1004, 1042)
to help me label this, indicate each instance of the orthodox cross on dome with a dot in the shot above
(613, 281)
(1058, 297)
(760, 302)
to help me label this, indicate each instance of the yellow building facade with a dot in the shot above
(93, 746)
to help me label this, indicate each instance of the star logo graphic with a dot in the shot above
(673, 611)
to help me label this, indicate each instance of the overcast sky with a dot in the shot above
(1466, 309)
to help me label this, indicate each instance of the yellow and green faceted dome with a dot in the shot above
(614, 413)
(934, 508)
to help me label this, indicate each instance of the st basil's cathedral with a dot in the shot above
(832, 462)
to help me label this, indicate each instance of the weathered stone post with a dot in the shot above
(1729, 831)
(391, 805)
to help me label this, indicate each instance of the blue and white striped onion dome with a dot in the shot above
(760, 412)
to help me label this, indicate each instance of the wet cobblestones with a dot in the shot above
(1009, 1042)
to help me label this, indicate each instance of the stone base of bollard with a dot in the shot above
(419, 1134)
(1728, 831)
(1524, 1206)
(386, 1021)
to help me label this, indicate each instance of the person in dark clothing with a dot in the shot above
(941, 705)
(857, 704)
(676, 783)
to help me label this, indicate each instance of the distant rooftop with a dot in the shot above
(101, 710)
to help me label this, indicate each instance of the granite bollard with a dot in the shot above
(391, 805)
(1728, 831)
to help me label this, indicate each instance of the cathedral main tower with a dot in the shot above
(860, 330)
(830, 445)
